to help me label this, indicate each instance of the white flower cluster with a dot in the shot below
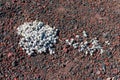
(88, 47)
(37, 36)
(84, 47)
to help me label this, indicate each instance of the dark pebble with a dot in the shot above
(115, 78)
(43, 66)
(72, 73)
(1, 57)
(34, 54)
(14, 63)
(1, 74)
(83, 56)
(21, 77)
(109, 54)
(39, 79)
(91, 72)
(70, 69)
(1, 4)
(22, 58)
(13, 49)
(104, 68)
(113, 66)
(63, 65)
(87, 66)
(2, 14)
(73, 21)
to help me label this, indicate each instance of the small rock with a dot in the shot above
(14, 63)
(1, 57)
(77, 36)
(99, 78)
(71, 41)
(67, 41)
(104, 68)
(85, 34)
(105, 35)
(72, 72)
(115, 78)
(22, 58)
(15, 78)
(87, 66)
(98, 72)
(108, 78)
(115, 71)
(39, 78)
(109, 54)
(9, 54)
(65, 49)
(63, 65)
(1, 4)
(70, 69)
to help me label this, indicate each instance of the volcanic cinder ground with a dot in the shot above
(99, 18)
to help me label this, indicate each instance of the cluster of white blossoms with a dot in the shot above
(37, 36)
(84, 45)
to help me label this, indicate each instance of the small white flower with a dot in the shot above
(86, 43)
(101, 51)
(85, 34)
(107, 42)
(71, 40)
(86, 52)
(75, 45)
(77, 36)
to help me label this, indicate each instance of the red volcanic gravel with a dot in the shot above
(99, 18)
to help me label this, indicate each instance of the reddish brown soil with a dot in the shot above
(100, 18)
